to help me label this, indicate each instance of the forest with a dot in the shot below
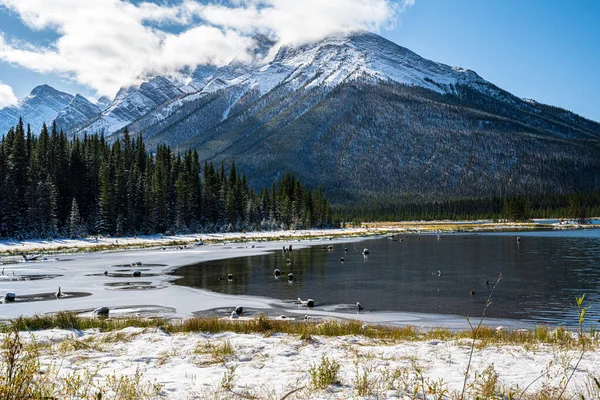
(578, 207)
(52, 186)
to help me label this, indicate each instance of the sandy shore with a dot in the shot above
(191, 366)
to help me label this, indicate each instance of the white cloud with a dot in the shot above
(106, 44)
(7, 96)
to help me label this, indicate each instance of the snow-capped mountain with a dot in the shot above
(42, 105)
(79, 111)
(364, 117)
(133, 103)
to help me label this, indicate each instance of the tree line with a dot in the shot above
(579, 207)
(53, 186)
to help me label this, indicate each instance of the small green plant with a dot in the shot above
(581, 310)
(229, 378)
(219, 353)
(324, 374)
(486, 385)
(18, 368)
(130, 387)
(364, 383)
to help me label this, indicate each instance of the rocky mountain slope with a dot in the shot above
(78, 112)
(42, 105)
(369, 119)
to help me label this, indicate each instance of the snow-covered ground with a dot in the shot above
(100, 242)
(189, 366)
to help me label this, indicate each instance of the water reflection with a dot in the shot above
(541, 275)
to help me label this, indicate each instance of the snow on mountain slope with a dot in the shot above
(342, 57)
(103, 102)
(77, 112)
(132, 103)
(42, 105)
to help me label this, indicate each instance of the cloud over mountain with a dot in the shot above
(107, 44)
(7, 96)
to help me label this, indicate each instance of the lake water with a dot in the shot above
(541, 275)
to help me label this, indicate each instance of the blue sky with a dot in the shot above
(545, 50)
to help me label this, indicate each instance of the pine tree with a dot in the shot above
(76, 226)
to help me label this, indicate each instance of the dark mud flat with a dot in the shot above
(27, 277)
(47, 297)
(144, 310)
(122, 275)
(144, 265)
(132, 286)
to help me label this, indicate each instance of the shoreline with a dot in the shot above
(58, 246)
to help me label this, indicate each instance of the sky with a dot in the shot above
(546, 50)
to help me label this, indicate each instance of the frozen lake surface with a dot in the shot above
(413, 279)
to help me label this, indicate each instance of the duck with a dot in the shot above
(9, 297)
(102, 311)
(359, 306)
(58, 293)
(365, 252)
(290, 277)
(307, 303)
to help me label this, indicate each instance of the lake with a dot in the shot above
(541, 275)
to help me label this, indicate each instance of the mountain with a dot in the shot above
(103, 102)
(364, 117)
(369, 119)
(42, 105)
(78, 112)
(132, 103)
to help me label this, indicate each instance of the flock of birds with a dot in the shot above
(310, 303)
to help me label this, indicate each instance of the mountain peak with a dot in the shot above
(262, 46)
(44, 90)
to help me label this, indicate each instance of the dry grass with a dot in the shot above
(487, 336)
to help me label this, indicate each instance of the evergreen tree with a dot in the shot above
(76, 226)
